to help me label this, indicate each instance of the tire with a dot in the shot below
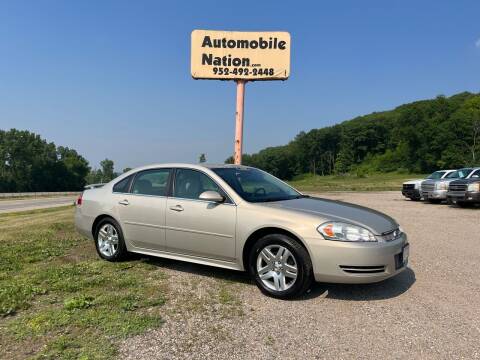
(109, 241)
(463, 204)
(265, 255)
(415, 198)
(434, 201)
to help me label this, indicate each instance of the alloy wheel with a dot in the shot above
(107, 239)
(277, 267)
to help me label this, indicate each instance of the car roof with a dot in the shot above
(187, 165)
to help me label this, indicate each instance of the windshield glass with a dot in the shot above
(254, 185)
(459, 174)
(436, 175)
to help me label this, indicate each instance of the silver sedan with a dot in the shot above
(241, 218)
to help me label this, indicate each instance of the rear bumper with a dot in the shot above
(83, 224)
(356, 263)
(411, 193)
(464, 196)
(435, 194)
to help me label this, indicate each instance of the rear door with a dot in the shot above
(196, 227)
(142, 209)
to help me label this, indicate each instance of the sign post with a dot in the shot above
(239, 122)
(240, 56)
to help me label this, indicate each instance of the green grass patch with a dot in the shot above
(59, 300)
(34, 212)
(352, 182)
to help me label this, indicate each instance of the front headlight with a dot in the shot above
(442, 186)
(474, 187)
(345, 232)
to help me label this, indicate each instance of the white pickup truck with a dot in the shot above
(412, 189)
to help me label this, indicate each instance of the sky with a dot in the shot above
(111, 79)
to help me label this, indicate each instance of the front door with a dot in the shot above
(196, 227)
(142, 210)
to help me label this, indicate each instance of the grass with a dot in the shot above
(58, 300)
(351, 182)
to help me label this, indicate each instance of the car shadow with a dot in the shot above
(198, 269)
(386, 289)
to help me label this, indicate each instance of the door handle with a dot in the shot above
(124, 202)
(176, 208)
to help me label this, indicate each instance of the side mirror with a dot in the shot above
(212, 196)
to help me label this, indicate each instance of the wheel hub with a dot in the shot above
(277, 267)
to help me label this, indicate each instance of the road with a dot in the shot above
(430, 311)
(34, 203)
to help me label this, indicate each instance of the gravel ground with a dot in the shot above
(430, 311)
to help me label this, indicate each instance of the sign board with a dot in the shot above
(235, 55)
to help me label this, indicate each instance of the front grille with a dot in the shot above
(428, 187)
(457, 187)
(363, 269)
(408, 186)
(390, 235)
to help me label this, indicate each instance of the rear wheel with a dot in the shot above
(109, 240)
(280, 266)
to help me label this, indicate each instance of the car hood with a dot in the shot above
(465, 181)
(415, 181)
(331, 210)
(434, 181)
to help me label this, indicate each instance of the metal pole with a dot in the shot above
(239, 121)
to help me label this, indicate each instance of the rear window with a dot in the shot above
(151, 182)
(123, 185)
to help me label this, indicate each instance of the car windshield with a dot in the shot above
(254, 185)
(459, 174)
(436, 175)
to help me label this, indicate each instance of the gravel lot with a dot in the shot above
(430, 311)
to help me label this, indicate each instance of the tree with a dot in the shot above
(422, 136)
(107, 170)
(127, 169)
(202, 158)
(30, 163)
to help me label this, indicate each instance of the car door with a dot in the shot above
(142, 209)
(196, 227)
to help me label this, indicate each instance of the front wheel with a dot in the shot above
(280, 266)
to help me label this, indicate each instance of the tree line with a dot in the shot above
(30, 163)
(421, 137)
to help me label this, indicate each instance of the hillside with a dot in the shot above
(417, 137)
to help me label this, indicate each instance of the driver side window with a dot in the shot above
(189, 184)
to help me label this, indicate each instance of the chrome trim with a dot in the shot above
(198, 232)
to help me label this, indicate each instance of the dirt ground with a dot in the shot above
(430, 311)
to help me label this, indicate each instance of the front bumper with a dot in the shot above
(411, 193)
(435, 194)
(464, 196)
(350, 263)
